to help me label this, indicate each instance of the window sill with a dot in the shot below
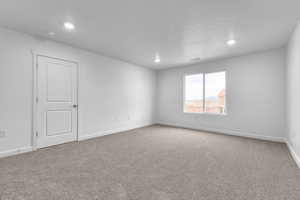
(205, 113)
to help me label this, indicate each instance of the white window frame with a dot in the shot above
(204, 112)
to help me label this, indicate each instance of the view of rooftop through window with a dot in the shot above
(205, 93)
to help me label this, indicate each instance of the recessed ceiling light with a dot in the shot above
(157, 60)
(51, 33)
(69, 26)
(196, 59)
(231, 42)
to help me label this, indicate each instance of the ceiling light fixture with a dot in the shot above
(157, 60)
(51, 33)
(69, 26)
(231, 42)
(196, 59)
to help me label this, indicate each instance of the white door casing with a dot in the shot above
(56, 114)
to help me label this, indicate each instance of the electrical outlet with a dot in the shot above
(2, 133)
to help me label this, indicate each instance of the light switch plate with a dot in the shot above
(2, 133)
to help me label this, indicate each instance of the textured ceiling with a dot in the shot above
(177, 31)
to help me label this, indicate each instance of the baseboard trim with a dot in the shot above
(293, 153)
(113, 131)
(241, 134)
(127, 128)
(227, 132)
(22, 150)
(15, 151)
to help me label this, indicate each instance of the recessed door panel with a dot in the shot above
(59, 122)
(59, 82)
(57, 104)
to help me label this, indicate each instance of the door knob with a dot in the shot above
(75, 106)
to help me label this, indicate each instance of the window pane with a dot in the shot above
(193, 93)
(215, 96)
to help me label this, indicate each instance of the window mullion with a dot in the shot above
(204, 93)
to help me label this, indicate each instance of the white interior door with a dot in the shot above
(57, 101)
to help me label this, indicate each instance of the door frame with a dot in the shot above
(35, 54)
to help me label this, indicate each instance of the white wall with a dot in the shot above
(113, 95)
(255, 96)
(293, 92)
(255, 92)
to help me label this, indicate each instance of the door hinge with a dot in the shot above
(36, 99)
(36, 134)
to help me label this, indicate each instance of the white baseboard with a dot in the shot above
(127, 128)
(113, 131)
(293, 153)
(226, 132)
(242, 134)
(15, 151)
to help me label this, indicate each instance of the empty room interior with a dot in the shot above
(150, 100)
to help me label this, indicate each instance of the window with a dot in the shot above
(194, 93)
(205, 93)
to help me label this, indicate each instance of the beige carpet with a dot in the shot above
(154, 163)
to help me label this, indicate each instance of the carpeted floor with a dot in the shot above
(154, 163)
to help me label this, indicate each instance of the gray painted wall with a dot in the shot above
(255, 96)
(255, 92)
(113, 95)
(293, 91)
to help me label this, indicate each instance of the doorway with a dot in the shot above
(56, 101)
